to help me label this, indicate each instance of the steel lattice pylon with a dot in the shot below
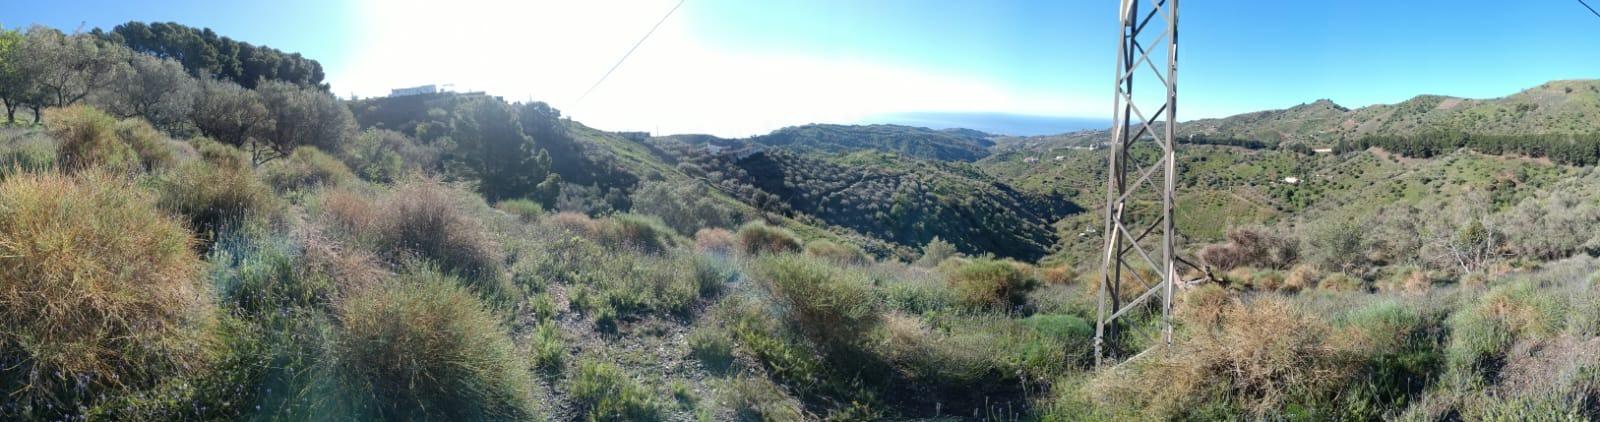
(1142, 206)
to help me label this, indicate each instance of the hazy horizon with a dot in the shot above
(737, 68)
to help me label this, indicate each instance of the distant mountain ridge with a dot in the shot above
(1556, 107)
(916, 142)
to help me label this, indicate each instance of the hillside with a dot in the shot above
(272, 252)
(1569, 107)
(945, 144)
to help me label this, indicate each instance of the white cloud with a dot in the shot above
(553, 51)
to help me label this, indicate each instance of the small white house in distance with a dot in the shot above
(1291, 180)
(1322, 150)
(416, 90)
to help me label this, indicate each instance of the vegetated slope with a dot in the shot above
(1222, 187)
(902, 200)
(947, 144)
(1559, 107)
(323, 290)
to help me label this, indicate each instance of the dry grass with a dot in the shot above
(837, 252)
(990, 284)
(154, 149)
(217, 193)
(422, 347)
(98, 290)
(756, 238)
(424, 219)
(714, 240)
(1256, 358)
(429, 219)
(306, 168)
(89, 139)
(1301, 278)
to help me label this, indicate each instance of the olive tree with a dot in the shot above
(158, 90)
(301, 117)
(66, 69)
(231, 114)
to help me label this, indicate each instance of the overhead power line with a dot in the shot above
(630, 52)
(1591, 9)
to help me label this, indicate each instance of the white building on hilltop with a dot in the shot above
(416, 90)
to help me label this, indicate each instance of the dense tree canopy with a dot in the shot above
(206, 54)
(490, 146)
(1579, 150)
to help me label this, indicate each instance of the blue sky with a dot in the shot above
(738, 67)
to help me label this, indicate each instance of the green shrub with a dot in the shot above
(835, 308)
(30, 151)
(935, 252)
(990, 284)
(89, 139)
(1482, 332)
(306, 168)
(713, 346)
(836, 252)
(101, 290)
(387, 156)
(1341, 282)
(422, 347)
(262, 273)
(608, 394)
(524, 209)
(686, 207)
(757, 399)
(756, 238)
(1401, 344)
(549, 347)
(917, 295)
(623, 285)
(152, 147)
(647, 234)
(215, 197)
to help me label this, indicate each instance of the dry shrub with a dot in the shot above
(1258, 358)
(89, 139)
(574, 222)
(99, 290)
(714, 240)
(1252, 246)
(428, 219)
(1341, 282)
(349, 212)
(836, 252)
(422, 347)
(422, 219)
(1407, 280)
(1301, 278)
(756, 238)
(354, 269)
(1130, 285)
(1202, 308)
(1057, 275)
